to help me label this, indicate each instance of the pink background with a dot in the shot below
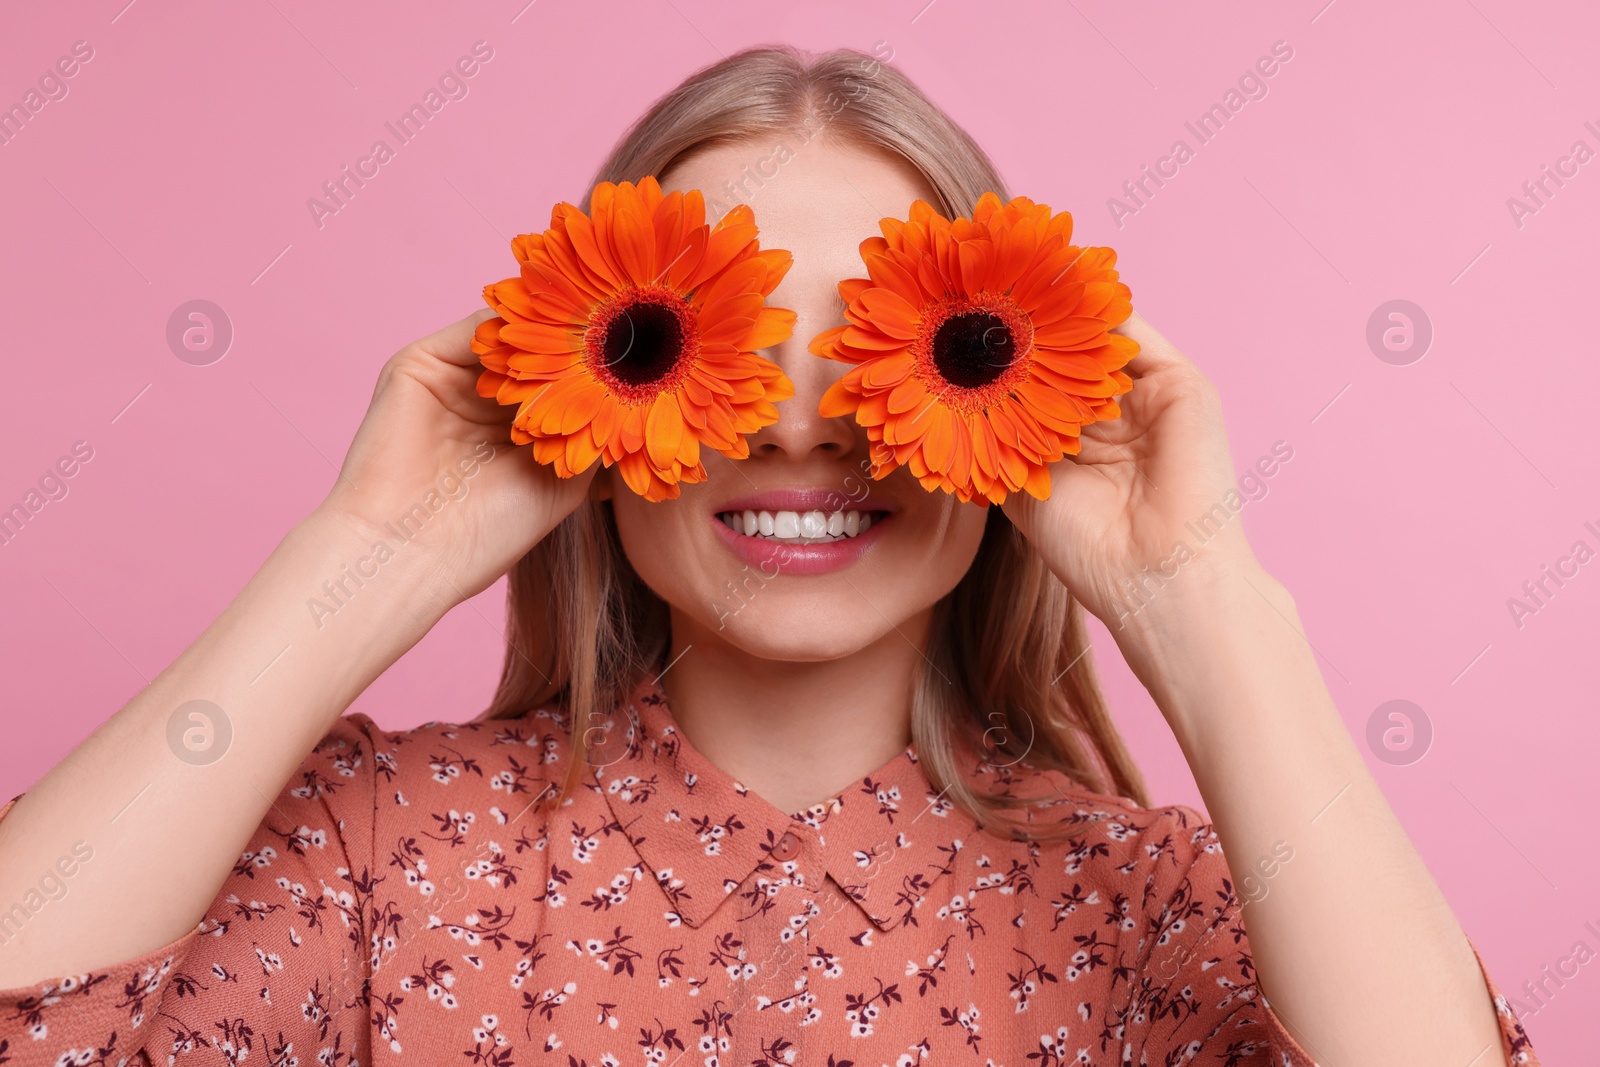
(1377, 167)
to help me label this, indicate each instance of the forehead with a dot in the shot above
(818, 199)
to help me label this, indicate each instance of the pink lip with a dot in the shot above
(772, 558)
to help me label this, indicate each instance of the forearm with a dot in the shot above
(167, 816)
(1354, 944)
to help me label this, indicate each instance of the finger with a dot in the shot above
(1156, 353)
(1097, 445)
(453, 344)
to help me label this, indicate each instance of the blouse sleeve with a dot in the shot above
(276, 971)
(1194, 997)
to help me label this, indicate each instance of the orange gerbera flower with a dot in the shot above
(629, 336)
(981, 346)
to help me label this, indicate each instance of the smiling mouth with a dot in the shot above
(800, 527)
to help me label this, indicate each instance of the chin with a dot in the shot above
(799, 627)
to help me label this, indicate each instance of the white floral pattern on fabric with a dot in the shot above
(410, 898)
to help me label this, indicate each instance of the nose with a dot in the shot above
(800, 432)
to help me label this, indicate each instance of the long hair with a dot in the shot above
(1008, 649)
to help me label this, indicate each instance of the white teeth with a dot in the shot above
(801, 527)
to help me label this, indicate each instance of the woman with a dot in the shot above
(863, 805)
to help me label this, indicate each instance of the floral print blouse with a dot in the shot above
(409, 898)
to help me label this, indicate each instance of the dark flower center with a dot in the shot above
(643, 343)
(971, 350)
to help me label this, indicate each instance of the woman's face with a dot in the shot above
(800, 585)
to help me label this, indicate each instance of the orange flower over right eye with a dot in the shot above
(630, 337)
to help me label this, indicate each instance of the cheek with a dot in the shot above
(657, 541)
(936, 544)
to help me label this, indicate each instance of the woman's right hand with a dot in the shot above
(432, 466)
(302, 639)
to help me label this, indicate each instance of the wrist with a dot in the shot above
(1230, 668)
(345, 560)
(1176, 632)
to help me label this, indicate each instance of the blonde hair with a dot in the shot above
(1008, 653)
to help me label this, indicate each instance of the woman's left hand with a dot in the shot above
(1144, 524)
(1116, 527)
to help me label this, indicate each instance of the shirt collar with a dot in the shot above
(886, 840)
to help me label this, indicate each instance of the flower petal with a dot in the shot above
(663, 431)
(891, 313)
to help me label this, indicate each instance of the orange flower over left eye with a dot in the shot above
(630, 336)
(981, 347)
